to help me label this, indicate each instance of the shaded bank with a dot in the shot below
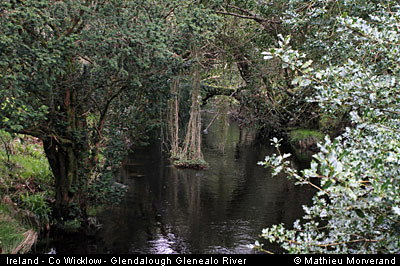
(15, 236)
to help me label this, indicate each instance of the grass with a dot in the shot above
(25, 186)
(14, 236)
(191, 164)
(305, 139)
(11, 232)
(22, 163)
(297, 135)
(25, 161)
(304, 142)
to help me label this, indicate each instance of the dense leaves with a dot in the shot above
(356, 208)
(90, 78)
(86, 77)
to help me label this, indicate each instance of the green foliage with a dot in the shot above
(27, 181)
(93, 211)
(305, 139)
(105, 191)
(333, 123)
(38, 205)
(268, 99)
(33, 167)
(69, 226)
(24, 160)
(190, 163)
(14, 235)
(297, 135)
(356, 207)
(10, 234)
(86, 77)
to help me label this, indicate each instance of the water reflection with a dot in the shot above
(220, 210)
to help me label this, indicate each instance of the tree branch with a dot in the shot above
(211, 91)
(255, 18)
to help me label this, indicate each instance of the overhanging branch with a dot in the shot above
(209, 91)
(267, 23)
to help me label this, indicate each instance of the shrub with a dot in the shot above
(37, 204)
(356, 207)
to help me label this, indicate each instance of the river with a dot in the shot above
(219, 210)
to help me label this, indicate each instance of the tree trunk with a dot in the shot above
(63, 160)
(65, 156)
(173, 118)
(192, 143)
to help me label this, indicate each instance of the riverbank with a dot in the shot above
(26, 194)
(15, 236)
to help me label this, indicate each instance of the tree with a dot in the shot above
(197, 26)
(267, 99)
(356, 207)
(68, 67)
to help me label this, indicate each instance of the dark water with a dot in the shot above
(219, 210)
